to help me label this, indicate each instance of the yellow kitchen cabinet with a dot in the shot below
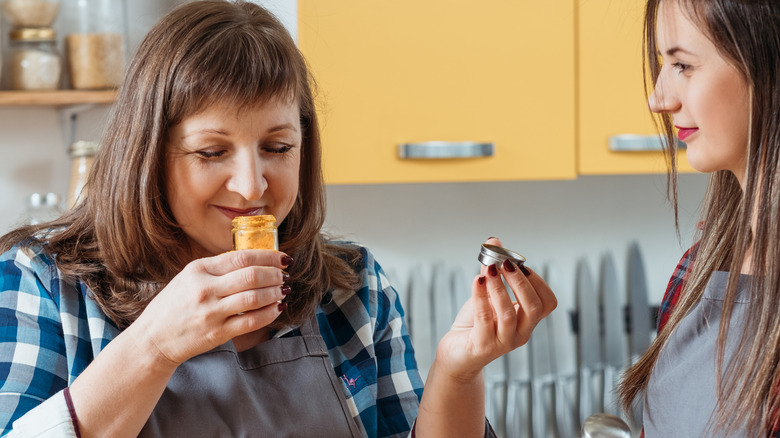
(409, 71)
(611, 97)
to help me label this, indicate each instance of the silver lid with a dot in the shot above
(492, 254)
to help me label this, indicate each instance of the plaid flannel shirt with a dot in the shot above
(51, 330)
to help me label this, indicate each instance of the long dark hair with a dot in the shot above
(747, 35)
(122, 240)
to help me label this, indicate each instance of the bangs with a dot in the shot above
(239, 64)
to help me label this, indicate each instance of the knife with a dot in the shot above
(588, 341)
(564, 358)
(420, 329)
(519, 402)
(639, 311)
(542, 377)
(441, 302)
(640, 325)
(614, 351)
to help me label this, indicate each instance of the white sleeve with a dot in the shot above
(50, 419)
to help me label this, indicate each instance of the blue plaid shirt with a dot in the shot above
(51, 330)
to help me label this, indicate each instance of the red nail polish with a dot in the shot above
(287, 260)
(286, 289)
(282, 306)
(492, 270)
(285, 276)
(481, 280)
(508, 266)
(524, 270)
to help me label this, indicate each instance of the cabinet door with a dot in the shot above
(611, 93)
(409, 71)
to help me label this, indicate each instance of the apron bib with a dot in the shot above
(283, 387)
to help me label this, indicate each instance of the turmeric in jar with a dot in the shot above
(255, 232)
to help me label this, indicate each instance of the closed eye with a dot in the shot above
(680, 67)
(210, 154)
(278, 149)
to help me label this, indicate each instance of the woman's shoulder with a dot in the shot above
(28, 256)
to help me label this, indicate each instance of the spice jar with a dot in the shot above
(82, 153)
(30, 13)
(33, 60)
(95, 45)
(43, 208)
(255, 232)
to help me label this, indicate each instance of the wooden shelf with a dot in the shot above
(56, 98)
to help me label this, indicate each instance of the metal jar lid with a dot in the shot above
(492, 254)
(32, 34)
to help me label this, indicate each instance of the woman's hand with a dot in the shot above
(490, 324)
(211, 301)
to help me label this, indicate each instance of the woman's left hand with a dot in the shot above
(490, 324)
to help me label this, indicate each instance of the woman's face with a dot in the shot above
(224, 162)
(706, 96)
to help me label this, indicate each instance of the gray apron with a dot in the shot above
(681, 393)
(283, 387)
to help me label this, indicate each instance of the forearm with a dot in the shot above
(116, 393)
(452, 407)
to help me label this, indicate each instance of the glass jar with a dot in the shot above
(95, 44)
(255, 232)
(33, 60)
(30, 13)
(82, 153)
(43, 208)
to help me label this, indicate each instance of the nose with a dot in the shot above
(247, 178)
(664, 99)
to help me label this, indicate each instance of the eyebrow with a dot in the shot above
(278, 128)
(673, 50)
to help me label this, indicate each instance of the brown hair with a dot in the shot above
(122, 240)
(747, 35)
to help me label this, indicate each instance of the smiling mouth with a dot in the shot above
(232, 213)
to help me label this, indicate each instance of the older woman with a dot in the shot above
(130, 315)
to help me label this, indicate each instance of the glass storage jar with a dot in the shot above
(30, 13)
(82, 154)
(255, 232)
(95, 44)
(33, 60)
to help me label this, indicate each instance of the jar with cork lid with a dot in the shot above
(95, 43)
(30, 13)
(33, 60)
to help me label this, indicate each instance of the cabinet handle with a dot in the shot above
(634, 142)
(445, 149)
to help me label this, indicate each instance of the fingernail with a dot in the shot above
(508, 266)
(286, 289)
(492, 270)
(285, 276)
(481, 280)
(287, 260)
(282, 306)
(524, 270)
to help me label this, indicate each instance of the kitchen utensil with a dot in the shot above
(605, 426)
(441, 298)
(639, 311)
(420, 327)
(589, 341)
(519, 398)
(640, 328)
(564, 359)
(614, 351)
(542, 377)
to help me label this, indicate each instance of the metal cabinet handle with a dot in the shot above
(634, 142)
(445, 149)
